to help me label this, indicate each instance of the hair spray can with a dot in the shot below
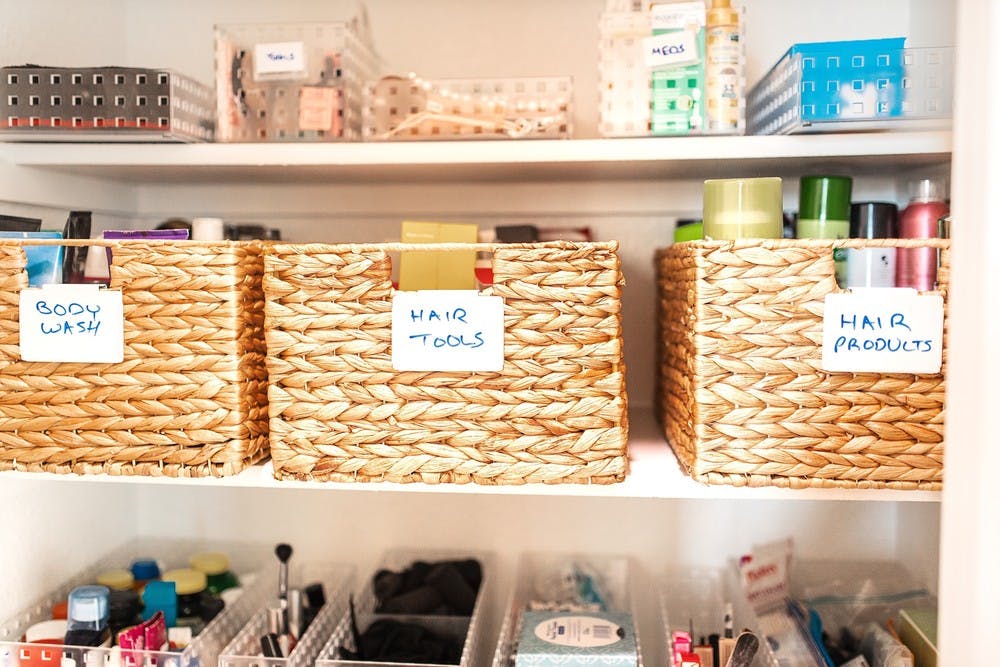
(917, 267)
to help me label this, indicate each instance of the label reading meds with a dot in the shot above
(579, 631)
(71, 323)
(883, 330)
(670, 49)
(279, 58)
(447, 330)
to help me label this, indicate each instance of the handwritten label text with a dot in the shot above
(279, 58)
(447, 330)
(71, 323)
(883, 331)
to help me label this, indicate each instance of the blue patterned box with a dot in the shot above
(554, 639)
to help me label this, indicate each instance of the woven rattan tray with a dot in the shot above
(741, 395)
(189, 398)
(340, 412)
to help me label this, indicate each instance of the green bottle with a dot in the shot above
(825, 213)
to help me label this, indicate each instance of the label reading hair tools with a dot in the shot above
(71, 323)
(883, 330)
(447, 330)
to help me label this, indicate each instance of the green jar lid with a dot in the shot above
(825, 198)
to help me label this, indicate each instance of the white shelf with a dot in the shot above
(660, 157)
(655, 473)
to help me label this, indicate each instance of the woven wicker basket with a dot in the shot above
(741, 394)
(189, 398)
(339, 412)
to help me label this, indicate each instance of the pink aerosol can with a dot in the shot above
(917, 267)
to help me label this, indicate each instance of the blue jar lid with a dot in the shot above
(144, 569)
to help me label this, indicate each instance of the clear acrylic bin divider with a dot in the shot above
(365, 602)
(246, 560)
(617, 578)
(244, 649)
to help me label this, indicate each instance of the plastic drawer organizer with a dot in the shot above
(292, 82)
(203, 651)
(578, 584)
(467, 630)
(103, 104)
(244, 650)
(856, 85)
(412, 108)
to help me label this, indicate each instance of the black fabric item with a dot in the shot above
(448, 581)
(394, 641)
(315, 596)
(440, 588)
(423, 600)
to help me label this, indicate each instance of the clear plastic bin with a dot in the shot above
(695, 599)
(615, 576)
(840, 86)
(410, 108)
(458, 626)
(292, 81)
(246, 561)
(244, 649)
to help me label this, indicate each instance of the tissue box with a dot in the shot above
(566, 639)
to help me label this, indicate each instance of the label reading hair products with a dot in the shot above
(71, 323)
(447, 330)
(883, 330)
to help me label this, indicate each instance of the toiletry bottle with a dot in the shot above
(917, 267)
(124, 609)
(825, 213)
(688, 230)
(723, 68)
(216, 568)
(872, 267)
(87, 624)
(208, 229)
(190, 585)
(743, 208)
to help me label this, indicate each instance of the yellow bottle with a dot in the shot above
(723, 68)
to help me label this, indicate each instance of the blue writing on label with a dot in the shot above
(893, 328)
(74, 319)
(447, 339)
(670, 50)
(277, 56)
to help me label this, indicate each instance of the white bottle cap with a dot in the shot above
(96, 267)
(207, 229)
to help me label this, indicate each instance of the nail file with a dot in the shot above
(746, 648)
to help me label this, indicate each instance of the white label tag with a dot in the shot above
(883, 330)
(72, 323)
(579, 631)
(279, 58)
(447, 330)
(670, 49)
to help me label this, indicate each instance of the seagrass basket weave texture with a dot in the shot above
(340, 412)
(742, 396)
(190, 396)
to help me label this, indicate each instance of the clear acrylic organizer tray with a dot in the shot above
(695, 598)
(414, 109)
(244, 649)
(471, 628)
(617, 578)
(246, 561)
(816, 91)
